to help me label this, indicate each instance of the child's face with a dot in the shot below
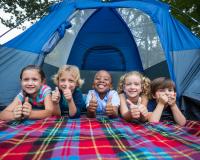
(169, 92)
(133, 86)
(102, 82)
(31, 82)
(66, 80)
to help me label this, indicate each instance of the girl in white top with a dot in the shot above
(134, 91)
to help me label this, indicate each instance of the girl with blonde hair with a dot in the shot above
(134, 91)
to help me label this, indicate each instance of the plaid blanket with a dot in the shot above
(101, 138)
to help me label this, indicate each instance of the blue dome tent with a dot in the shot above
(118, 36)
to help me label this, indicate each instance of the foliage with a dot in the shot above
(20, 11)
(31, 10)
(187, 11)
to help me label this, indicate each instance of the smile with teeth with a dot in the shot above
(100, 86)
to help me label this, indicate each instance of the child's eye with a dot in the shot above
(71, 81)
(62, 80)
(35, 79)
(137, 84)
(161, 90)
(25, 79)
(171, 90)
(128, 84)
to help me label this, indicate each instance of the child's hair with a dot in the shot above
(33, 67)
(145, 82)
(74, 71)
(161, 83)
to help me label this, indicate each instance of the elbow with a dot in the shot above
(152, 120)
(182, 123)
(75, 115)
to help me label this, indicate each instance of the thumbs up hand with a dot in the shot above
(143, 110)
(26, 108)
(56, 95)
(134, 109)
(110, 109)
(93, 103)
(67, 93)
(17, 112)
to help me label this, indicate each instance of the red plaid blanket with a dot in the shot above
(101, 138)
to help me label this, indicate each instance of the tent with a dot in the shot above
(118, 35)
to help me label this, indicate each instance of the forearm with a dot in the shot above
(72, 108)
(178, 116)
(157, 113)
(7, 115)
(56, 109)
(40, 114)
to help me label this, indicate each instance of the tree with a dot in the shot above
(187, 11)
(31, 10)
(20, 11)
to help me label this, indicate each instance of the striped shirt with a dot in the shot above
(38, 102)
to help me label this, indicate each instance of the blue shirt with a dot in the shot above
(38, 102)
(102, 102)
(78, 100)
(166, 114)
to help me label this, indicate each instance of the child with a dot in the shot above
(67, 97)
(134, 91)
(102, 100)
(34, 101)
(164, 95)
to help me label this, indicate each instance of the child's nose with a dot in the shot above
(101, 79)
(30, 82)
(167, 92)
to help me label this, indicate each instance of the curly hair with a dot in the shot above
(74, 70)
(145, 82)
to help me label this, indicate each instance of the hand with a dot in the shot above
(172, 100)
(143, 110)
(110, 109)
(56, 95)
(134, 109)
(26, 108)
(163, 99)
(92, 104)
(17, 112)
(67, 93)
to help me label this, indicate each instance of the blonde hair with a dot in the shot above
(74, 71)
(145, 82)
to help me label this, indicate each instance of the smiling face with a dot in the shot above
(31, 82)
(133, 87)
(66, 80)
(102, 82)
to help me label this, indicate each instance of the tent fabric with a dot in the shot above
(132, 35)
(9, 76)
(103, 33)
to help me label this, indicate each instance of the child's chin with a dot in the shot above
(30, 92)
(133, 95)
